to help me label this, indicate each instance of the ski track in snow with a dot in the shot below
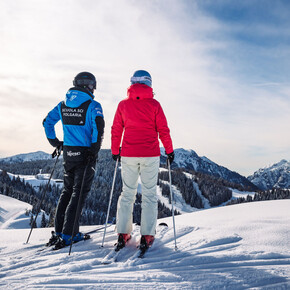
(235, 247)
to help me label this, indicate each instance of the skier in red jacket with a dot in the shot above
(140, 120)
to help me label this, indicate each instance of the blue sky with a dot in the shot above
(220, 70)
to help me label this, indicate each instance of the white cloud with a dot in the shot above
(209, 108)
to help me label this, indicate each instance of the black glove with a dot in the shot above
(116, 157)
(170, 157)
(58, 147)
(56, 143)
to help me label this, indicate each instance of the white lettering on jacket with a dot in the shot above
(70, 153)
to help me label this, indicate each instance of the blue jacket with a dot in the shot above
(79, 114)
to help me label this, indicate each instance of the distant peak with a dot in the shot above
(32, 156)
(278, 164)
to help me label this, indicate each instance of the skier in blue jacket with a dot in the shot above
(83, 129)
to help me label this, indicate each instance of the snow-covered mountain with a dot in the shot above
(190, 160)
(276, 175)
(183, 158)
(243, 246)
(34, 156)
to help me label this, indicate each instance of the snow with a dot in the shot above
(178, 204)
(205, 201)
(26, 157)
(234, 247)
(244, 194)
(276, 175)
(12, 213)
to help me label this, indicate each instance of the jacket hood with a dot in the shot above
(140, 92)
(75, 97)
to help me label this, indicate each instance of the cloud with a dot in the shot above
(222, 92)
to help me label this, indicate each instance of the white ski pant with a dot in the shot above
(147, 168)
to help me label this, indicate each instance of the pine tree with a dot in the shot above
(43, 221)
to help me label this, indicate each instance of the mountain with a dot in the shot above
(243, 246)
(20, 158)
(192, 190)
(276, 175)
(188, 159)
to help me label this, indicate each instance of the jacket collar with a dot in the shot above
(140, 92)
(83, 90)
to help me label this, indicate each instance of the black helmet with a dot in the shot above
(85, 80)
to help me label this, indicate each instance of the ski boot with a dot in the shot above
(145, 243)
(61, 243)
(53, 239)
(122, 240)
(81, 237)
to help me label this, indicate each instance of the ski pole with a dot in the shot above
(169, 172)
(78, 206)
(111, 194)
(57, 153)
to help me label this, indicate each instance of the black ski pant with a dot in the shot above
(68, 201)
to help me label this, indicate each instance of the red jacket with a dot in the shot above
(142, 119)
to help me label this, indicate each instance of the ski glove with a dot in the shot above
(170, 157)
(116, 157)
(56, 143)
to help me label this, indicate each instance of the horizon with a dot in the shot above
(186, 149)
(220, 71)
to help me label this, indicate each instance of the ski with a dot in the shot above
(96, 230)
(143, 248)
(113, 255)
(142, 253)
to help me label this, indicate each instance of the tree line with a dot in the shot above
(270, 194)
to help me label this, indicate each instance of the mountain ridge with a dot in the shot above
(26, 157)
(184, 158)
(190, 160)
(276, 175)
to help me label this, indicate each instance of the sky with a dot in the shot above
(220, 70)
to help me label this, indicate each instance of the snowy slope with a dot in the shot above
(275, 175)
(37, 180)
(235, 247)
(12, 213)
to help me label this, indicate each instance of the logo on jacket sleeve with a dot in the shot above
(99, 111)
(72, 97)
